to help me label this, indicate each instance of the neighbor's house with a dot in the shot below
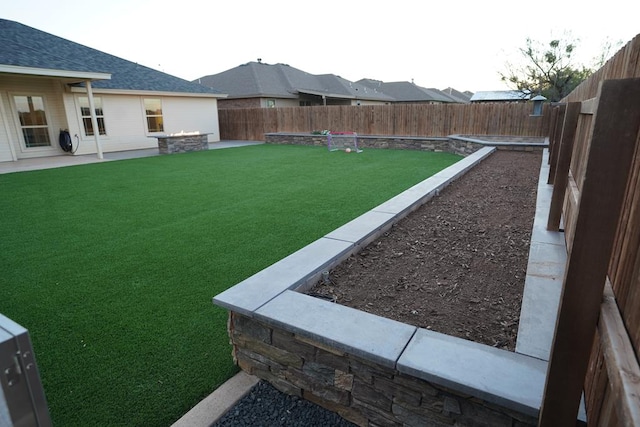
(461, 97)
(500, 96)
(261, 85)
(48, 84)
(408, 92)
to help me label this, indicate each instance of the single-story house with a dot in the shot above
(501, 96)
(408, 92)
(461, 97)
(261, 85)
(49, 84)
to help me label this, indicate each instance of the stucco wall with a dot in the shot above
(51, 92)
(124, 117)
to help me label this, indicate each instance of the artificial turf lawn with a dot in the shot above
(112, 266)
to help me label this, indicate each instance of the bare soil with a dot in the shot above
(457, 264)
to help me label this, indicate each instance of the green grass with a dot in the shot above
(112, 266)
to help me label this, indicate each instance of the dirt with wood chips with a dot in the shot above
(457, 264)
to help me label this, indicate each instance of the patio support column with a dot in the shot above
(94, 120)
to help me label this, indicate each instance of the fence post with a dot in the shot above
(562, 165)
(613, 139)
(555, 147)
(552, 128)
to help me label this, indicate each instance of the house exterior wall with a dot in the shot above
(125, 120)
(124, 117)
(11, 138)
(280, 102)
(6, 142)
(191, 114)
(367, 102)
(240, 103)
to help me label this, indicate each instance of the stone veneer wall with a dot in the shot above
(182, 143)
(456, 144)
(361, 391)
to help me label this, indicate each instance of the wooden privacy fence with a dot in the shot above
(396, 119)
(595, 172)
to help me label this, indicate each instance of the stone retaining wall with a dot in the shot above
(456, 144)
(361, 391)
(182, 143)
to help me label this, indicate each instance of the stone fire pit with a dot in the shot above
(182, 142)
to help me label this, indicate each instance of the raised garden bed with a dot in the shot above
(375, 370)
(456, 265)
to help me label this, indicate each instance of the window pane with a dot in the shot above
(85, 112)
(154, 124)
(153, 110)
(36, 137)
(33, 120)
(88, 126)
(31, 110)
(153, 107)
(103, 130)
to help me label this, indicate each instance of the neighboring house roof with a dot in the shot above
(500, 95)
(407, 91)
(24, 47)
(463, 97)
(258, 79)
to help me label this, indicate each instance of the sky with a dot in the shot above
(448, 43)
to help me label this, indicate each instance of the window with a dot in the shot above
(271, 103)
(85, 111)
(33, 121)
(305, 103)
(153, 110)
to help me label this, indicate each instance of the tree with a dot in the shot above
(548, 69)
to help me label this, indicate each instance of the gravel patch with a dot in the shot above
(268, 407)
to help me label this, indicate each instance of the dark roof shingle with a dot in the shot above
(257, 79)
(24, 46)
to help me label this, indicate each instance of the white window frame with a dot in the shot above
(146, 116)
(19, 127)
(99, 117)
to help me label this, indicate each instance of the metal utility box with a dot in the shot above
(22, 400)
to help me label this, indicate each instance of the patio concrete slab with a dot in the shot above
(65, 160)
(288, 273)
(357, 332)
(509, 379)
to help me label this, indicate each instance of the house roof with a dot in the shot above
(407, 91)
(24, 49)
(258, 79)
(463, 97)
(500, 95)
